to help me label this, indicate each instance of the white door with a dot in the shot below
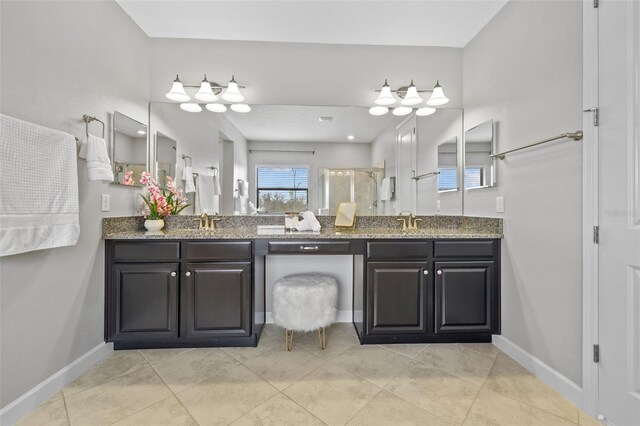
(619, 212)
(406, 166)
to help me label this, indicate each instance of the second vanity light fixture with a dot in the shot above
(409, 99)
(209, 93)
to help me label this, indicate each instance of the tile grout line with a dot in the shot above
(478, 393)
(66, 410)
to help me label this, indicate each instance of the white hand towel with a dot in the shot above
(216, 186)
(204, 194)
(187, 177)
(94, 149)
(39, 191)
(386, 189)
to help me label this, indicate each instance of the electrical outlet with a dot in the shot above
(437, 205)
(499, 204)
(106, 202)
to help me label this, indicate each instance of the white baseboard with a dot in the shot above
(54, 383)
(560, 383)
(343, 316)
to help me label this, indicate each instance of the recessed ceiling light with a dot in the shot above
(142, 132)
(351, 137)
(325, 119)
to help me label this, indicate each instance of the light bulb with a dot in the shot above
(232, 94)
(402, 110)
(424, 111)
(411, 97)
(437, 97)
(385, 97)
(242, 108)
(177, 92)
(216, 107)
(190, 107)
(378, 110)
(205, 94)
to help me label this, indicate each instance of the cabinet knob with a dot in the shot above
(439, 271)
(188, 274)
(173, 274)
(426, 272)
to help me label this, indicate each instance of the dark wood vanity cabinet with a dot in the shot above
(429, 291)
(193, 294)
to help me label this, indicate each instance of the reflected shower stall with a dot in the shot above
(359, 186)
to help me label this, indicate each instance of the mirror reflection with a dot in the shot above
(283, 158)
(478, 147)
(129, 150)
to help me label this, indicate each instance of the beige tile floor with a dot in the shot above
(463, 384)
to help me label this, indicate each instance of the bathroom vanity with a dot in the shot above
(191, 288)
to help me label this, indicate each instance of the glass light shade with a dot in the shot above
(241, 108)
(190, 107)
(378, 110)
(205, 94)
(424, 111)
(216, 107)
(386, 97)
(402, 110)
(232, 94)
(437, 97)
(411, 97)
(177, 92)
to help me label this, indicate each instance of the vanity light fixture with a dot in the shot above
(177, 92)
(232, 94)
(190, 107)
(216, 107)
(409, 99)
(205, 94)
(437, 97)
(242, 108)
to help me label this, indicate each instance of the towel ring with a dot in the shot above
(88, 119)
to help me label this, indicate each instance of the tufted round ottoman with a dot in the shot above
(305, 303)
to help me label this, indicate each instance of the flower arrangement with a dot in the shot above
(128, 178)
(160, 203)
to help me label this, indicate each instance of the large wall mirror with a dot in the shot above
(479, 166)
(278, 158)
(129, 150)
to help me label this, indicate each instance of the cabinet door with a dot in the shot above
(396, 297)
(144, 303)
(218, 300)
(464, 297)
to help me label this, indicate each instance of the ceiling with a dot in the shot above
(286, 123)
(447, 23)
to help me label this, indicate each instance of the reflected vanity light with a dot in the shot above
(437, 97)
(205, 94)
(402, 110)
(351, 137)
(424, 111)
(142, 132)
(190, 107)
(378, 110)
(216, 107)
(232, 94)
(177, 92)
(241, 108)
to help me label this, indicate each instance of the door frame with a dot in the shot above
(590, 207)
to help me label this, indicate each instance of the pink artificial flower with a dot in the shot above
(128, 179)
(144, 178)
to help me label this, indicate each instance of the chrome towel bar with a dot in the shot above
(423, 176)
(576, 136)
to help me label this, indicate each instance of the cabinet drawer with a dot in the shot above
(302, 247)
(483, 248)
(145, 251)
(398, 250)
(202, 250)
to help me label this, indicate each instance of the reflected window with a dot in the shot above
(282, 189)
(475, 177)
(447, 178)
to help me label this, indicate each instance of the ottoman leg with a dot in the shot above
(288, 339)
(322, 336)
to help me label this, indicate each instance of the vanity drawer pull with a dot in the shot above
(173, 274)
(309, 248)
(188, 274)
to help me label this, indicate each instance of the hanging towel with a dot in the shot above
(39, 190)
(216, 185)
(205, 195)
(386, 189)
(187, 177)
(308, 222)
(94, 149)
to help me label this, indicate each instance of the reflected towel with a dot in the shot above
(39, 191)
(204, 195)
(187, 177)
(216, 186)
(386, 189)
(94, 149)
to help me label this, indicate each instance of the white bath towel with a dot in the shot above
(386, 190)
(39, 191)
(205, 202)
(216, 185)
(308, 223)
(94, 149)
(187, 177)
(243, 188)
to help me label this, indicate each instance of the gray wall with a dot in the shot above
(524, 70)
(61, 60)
